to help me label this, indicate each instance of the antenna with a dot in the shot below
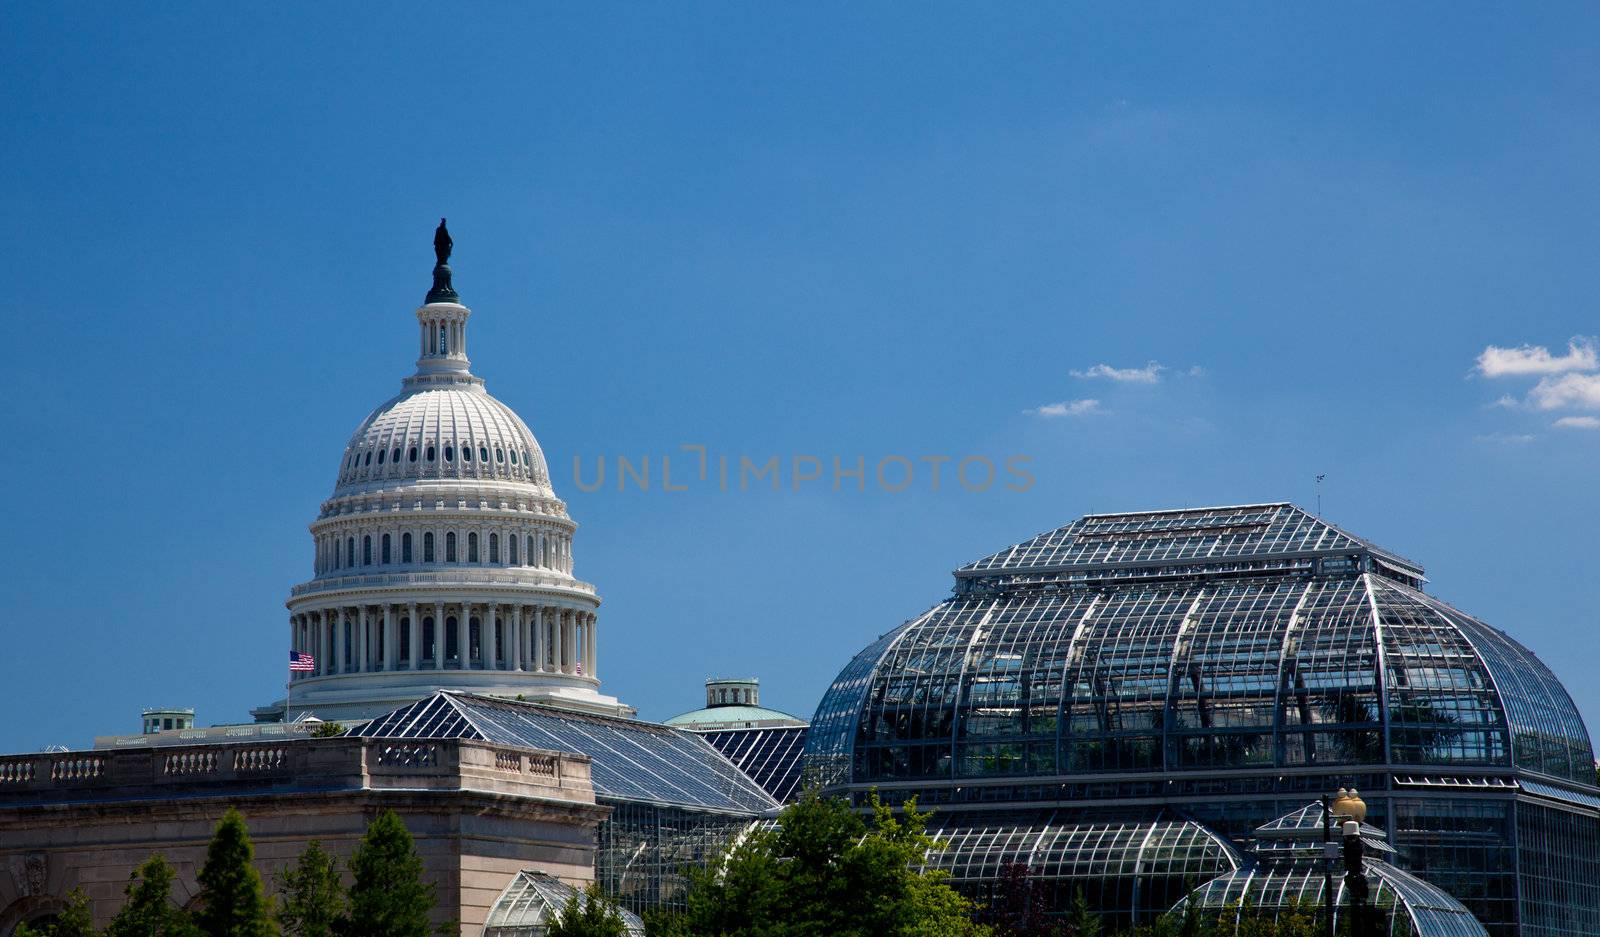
(1319, 494)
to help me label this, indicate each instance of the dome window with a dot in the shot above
(430, 453)
(450, 547)
(350, 551)
(413, 454)
(395, 456)
(366, 551)
(511, 545)
(405, 548)
(369, 458)
(466, 453)
(427, 547)
(380, 456)
(513, 457)
(499, 455)
(386, 557)
(472, 548)
(449, 453)
(483, 453)
(494, 548)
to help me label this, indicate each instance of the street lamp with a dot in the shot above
(1349, 805)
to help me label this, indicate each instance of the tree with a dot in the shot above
(1020, 907)
(589, 914)
(312, 899)
(1081, 922)
(389, 898)
(232, 901)
(149, 911)
(827, 871)
(75, 920)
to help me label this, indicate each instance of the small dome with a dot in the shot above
(456, 432)
(733, 717)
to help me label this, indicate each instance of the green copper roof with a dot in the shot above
(717, 715)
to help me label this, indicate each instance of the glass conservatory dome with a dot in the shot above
(1228, 663)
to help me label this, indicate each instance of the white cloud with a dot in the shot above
(1569, 390)
(1066, 408)
(1149, 374)
(1507, 439)
(1581, 355)
(1579, 422)
(1196, 371)
(1506, 402)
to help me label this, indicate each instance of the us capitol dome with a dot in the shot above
(443, 558)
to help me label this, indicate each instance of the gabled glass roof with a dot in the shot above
(529, 904)
(771, 757)
(1203, 536)
(631, 761)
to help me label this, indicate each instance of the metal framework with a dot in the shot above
(1230, 663)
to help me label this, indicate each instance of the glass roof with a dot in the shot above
(1277, 878)
(771, 757)
(631, 760)
(1304, 827)
(1332, 670)
(1164, 847)
(1432, 911)
(1187, 537)
(531, 901)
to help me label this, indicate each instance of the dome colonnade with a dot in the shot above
(443, 558)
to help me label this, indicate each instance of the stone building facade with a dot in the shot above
(481, 815)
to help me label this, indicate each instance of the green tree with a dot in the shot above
(149, 911)
(389, 898)
(232, 901)
(1081, 922)
(827, 872)
(75, 920)
(590, 914)
(311, 901)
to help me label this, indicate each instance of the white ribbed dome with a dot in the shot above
(457, 431)
(443, 559)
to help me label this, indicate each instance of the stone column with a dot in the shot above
(324, 646)
(415, 623)
(389, 655)
(338, 640)
(491, 640)
(563, 623)
(364, 646)
(514, 659)
(438, 636)
(593, 657)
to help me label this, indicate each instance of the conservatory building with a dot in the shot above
(1130, 698)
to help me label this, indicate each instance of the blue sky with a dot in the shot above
(1174, 257)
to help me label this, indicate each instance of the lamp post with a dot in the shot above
(1350, 806)
(1327, 866)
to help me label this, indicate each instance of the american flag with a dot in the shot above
(301, 663)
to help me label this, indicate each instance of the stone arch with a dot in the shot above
(29, 908)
